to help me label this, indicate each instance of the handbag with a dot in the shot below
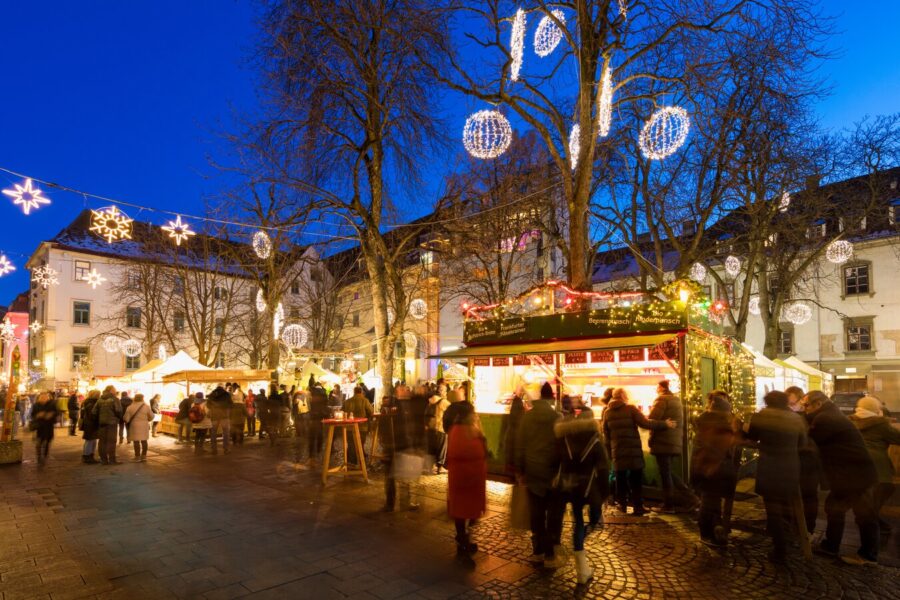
(519, 513)
(408, 465)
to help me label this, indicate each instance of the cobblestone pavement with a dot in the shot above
(256, 524)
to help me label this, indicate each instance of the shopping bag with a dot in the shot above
(519, 514)
(408, 465)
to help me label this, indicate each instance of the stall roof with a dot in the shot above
(218, 375)
(610, 343)
(798, 364)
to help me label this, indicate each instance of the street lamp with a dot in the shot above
(684, 294)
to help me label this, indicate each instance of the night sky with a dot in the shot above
(130, 100)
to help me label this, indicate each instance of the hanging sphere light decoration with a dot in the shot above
(785, 202)
(260, 301)
(262, 245)
(517, 44)
(839, 251)
(111, 344)
(733, 266)
(131, 348)
(295, 336)
(753, 305)
(664, 133)
(574, 145)
(797, 313)
(418, 309)
(698, 272)
(487, 134)
(548, 34)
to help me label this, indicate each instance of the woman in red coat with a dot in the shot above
(467, 470)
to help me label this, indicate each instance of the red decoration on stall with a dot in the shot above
(631, 354)
(603, 356)
(576, 358)
(500, 362)
(473, 312)
(481, 361)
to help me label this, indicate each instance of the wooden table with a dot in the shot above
(344, 469)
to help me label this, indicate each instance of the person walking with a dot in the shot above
(238, 417)
(124, 402)
(623, 443)
(199, 416)
(582, 478)
(717, 433)
(250, 401)
(44, 414)
(108, 411)
(513, 422)
(138, 417)
(851, 476)
(219, 406)
(466, 480)
(878, 435)
(157, 414)
(665, 446)
(396, 429)
(300, 416)
(536, 466)
(184, 422)
(434, 423)
(74, 411)
(781, 434)
(358, 407)
(90, 426)
(810, 469)
(318, 410)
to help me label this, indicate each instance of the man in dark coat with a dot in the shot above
(185, 426)
(810, 469)
(851, 477)
(536, 465)
(125, 402)
(72, 407)
(318, 410)
(780, 433)
(878, 435)
(666, 445)
(219, 403)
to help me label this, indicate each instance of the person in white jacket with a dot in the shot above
(137, 418)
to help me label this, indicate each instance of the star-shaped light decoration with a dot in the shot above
(35, 328)
(111, 223)
(94, 279)
(27, 196)
(45, 276)
(178, 231)
(7, 330)
(5, 265)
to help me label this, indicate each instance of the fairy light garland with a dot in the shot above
(797, 313)
(418, 309)
(262, 244)
(295, 336)
(548, 35)
(517, 44)
(475, 311)
(698, 272)
(260, 301)
(839, 252)
(8, 330)
(604, 102)
(785, 203)
(753, 306)
(664, 133)
(574, 145)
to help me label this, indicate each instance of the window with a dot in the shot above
(295, 287)
(178, 284)
(132, 363)
(859, 337)
(220, 327)
(856, 279)
(81, 313)
(178, 321)
(894, 211)
(134, 279)
(82, 268)
(133, 316)
(295, 313)
(220, 293)
(220, 360)
(786, 342)
(356, 295)
(80, 355)
(816, 230)
(356, 319)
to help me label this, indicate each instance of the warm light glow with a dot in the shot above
(111, 223)
(418, 309)
(574, 145)
(260, 301)
(698, 272)
(665, 132)
(44, 276)
(487, 134)
(839, 251)
(262, 245)
(8, 330)
(94, 279)
(178, 231)
(111, 344)
(785, 202)
(131, 348)
(295, 336)
(604, 102)
(517, 44)
(5, 265)
(548, 34)
(684, 295)
(733, 266)
(27, 196)
(35, 327)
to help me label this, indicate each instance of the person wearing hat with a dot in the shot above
(537, 463)
(878, 434)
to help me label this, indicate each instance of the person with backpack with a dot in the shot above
(184, 422)
(108, 411)
(200, 420)
(219, 405)
(137, 418)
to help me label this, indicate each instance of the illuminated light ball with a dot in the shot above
(574, 145)
(262, 245)
(839, 251)
(664, 133)
(111, 344)
(797, 313)
(733, 266)
(295, 336)
(698, 272)
(517, 44)
(568, 301)
(418, 309)
(785, 202)
(131, 348)
(260, 301)
(753, 306)
(465, 306)
(548, 35)
(487, 134)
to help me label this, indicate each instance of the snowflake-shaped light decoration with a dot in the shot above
(131, 348)
(111, 344)
(262, 244)
(295, 336)
(604, 102)
(111, 223)
(574, 144)
(260, 301)
(6, 265)
(797, 313)
(548, 34)
(162, 353)
(94, 279)
(277, 320)
(698, 272)
(8, 330)
(27, 196)
(785, 202)
(45, 276)
(839, 251)
(517, 44)
(733, 266)
(178, 230)
(487, 134)
(665, 132)
(418, 309)
(753, 305)
(35, 327)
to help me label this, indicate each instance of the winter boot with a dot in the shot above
(465, 546)
(583, 569)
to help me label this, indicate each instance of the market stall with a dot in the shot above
(148, 380)
(818, 380)
(769, 374)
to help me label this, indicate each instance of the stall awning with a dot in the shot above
(611, 343)
(218, 376)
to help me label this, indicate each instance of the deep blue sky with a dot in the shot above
(128, 99)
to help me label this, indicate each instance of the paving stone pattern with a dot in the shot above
(257, 524)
